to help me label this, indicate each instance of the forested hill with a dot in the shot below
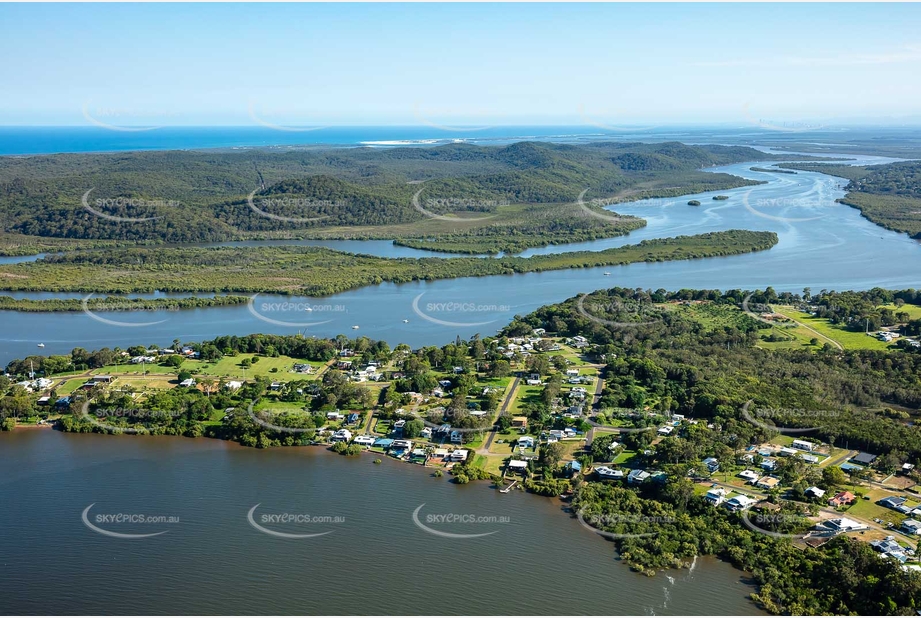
(193, 196)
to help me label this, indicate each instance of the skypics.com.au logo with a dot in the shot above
(448, 525)
(271, 119)
(106, 523)
(456, 204)
(626, 525)
(123, 204)
(787, 415)
(289, 204)
(292, 525)
(124, 119)
(120, 306)
(620, 307)
(782, 205)
(272, 312)
(137, 415)
(454, 308)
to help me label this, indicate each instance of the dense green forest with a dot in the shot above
(317, 271)
(685, 365)
(201, 196)
(888, 195)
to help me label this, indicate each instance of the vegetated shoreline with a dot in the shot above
(655, 361)
(54, 305)
(361, 194)
(874, 192)
(330, 269)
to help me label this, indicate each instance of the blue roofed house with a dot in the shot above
(573, 466)
(712, 464)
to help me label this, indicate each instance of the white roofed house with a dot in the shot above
(740, 503)
(814, 492)
(608, 473)
(716, 496)
(749, 475)
(343, 435)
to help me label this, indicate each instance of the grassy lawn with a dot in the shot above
(914, 311)
(151, 368)
(229, 366)
(868, 509)
(524, 395)
(624, 457)
(849, 339)
(69, 386)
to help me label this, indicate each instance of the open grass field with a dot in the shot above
(868, 509)
(524, 395)
(913, 311)
(848, 339)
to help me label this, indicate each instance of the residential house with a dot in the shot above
(739, 503)
(457, 437)
(334, 416)
(426, 433)
(750, 476)
(188, 383)
(769, 464)
(364, 440)
(716, 496)
(842, 524)
(343, 435)
(842, 498)
(517, 465)
(712, 464)
(526, 442)
(814, 492)
(911, 526)
(606, 473)
(864, 459)
(637, 476)
(892, 502)
(458, 455)
(768, 482)
(519, 421)
(666, 430)
(383, 443)
(573, 466)
(803, 445)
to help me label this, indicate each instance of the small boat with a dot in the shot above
(309, 309)
(41, 345)
(607, 274)
(405, 321)
(355, 327)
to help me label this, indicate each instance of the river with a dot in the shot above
(822, 245)
(374, 560)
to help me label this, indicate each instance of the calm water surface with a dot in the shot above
(376, 561)
(822, 245)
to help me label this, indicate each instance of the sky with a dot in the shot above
(456, 65)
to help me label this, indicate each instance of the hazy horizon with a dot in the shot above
(460, 66)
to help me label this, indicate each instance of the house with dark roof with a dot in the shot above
(863, 458)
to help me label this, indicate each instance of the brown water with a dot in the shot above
(374, 559)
